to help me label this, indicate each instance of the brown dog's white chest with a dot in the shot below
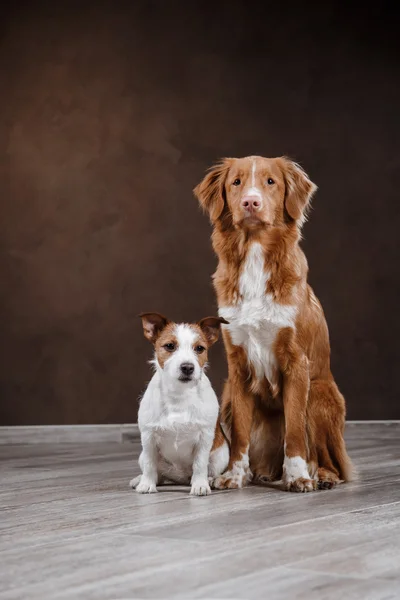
(256, 318)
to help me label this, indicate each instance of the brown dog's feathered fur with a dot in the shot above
(300, 404)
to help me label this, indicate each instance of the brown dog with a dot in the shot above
(281, 406)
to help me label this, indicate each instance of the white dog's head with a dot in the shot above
(181, 348)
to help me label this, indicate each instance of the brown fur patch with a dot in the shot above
(219, 437)
(240, 400)
(153, 323)
(168, 336)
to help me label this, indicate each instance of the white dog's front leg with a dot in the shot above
(148, 463)
(200, 485)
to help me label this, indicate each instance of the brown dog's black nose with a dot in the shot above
(187, 368)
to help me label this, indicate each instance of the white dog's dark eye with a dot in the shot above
(199, 349)
(270, 181)
(237, 182)
(169, 347)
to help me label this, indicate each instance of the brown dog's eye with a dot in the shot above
(237, 182)
(169, 347)
(199, 349)
(270, 181)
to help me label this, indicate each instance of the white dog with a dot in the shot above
(178, 415)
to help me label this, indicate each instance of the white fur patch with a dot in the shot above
(256, 318)
(146, 486)
(254, 191)
(240, 466)
(200, 487)
(219, 460)
(238, 476)
(295, 468)
(185, 335)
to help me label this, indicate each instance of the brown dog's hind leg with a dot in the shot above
(326, 420)
(326, 479)
(266, 446)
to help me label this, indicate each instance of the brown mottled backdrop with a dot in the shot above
(111, 112)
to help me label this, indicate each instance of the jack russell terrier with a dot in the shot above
(182, 439)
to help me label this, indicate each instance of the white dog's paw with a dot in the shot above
(135, 481)
(146, 487)
(200, 487)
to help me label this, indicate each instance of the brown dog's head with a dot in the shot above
(181, 348)
(256, 192)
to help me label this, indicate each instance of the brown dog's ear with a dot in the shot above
(299, 190)
(153, 324)
(210, 191)
(211, 327)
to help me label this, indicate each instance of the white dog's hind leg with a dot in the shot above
(135, 481)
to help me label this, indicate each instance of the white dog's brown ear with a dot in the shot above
(299, 190)
(210, 191)
(211, 328)
(153, 324)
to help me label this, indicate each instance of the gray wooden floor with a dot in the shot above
(71, 528)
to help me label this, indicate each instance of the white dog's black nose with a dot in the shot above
(187, 369)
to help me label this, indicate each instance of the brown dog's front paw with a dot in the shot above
(230, 480)
(296, 477)
(300, 485)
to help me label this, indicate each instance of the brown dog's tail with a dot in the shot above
(340, 457)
